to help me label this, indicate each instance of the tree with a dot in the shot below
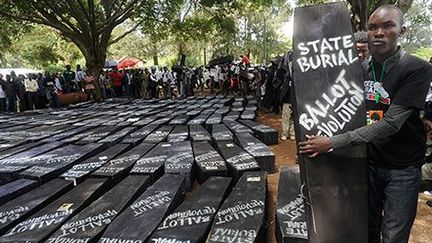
(11, 30)
(418, 20)
(361, 9)
(87, 23)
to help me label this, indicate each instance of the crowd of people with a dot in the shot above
(38, 91)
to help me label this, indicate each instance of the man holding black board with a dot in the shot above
(395, 89)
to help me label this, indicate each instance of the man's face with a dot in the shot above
(383, 32)
(362, 50)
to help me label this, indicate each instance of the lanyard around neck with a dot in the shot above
(378, 94)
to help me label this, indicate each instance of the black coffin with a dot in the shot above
(67, 134)
(8, 145)
(248, 115)
(199, 120)
(159, 135)
(242, 217)
(99, 135)
(19, 149)
(162, 120)
(266, 134)
(290, 209)
(180, 160)
(209, 161)
(82, 170)
(231, 116)
(16, 188)
(47, 169)
(117, 137)
(191, 221)
(144, 122)
(152, 163)
(329, 101)
(84, 134)
(14, 211)
(43, 223)
(212, 120)
(178, 134)
(198, 133)
(12, 165)
(223, 110)
(220, 132)
(260, 151)
(139, 135)
(237, 127)
(237, 160)
(179, 120)
(87, 225)
(120, 166)
(143, 216)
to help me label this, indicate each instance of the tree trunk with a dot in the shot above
(205, 57)
(155, 59)
(404, 5)
(95, 61)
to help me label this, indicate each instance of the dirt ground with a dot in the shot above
(285, 155)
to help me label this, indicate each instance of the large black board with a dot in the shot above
(329, 101)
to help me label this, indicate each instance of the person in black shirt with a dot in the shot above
(69, 77)
(396, 85)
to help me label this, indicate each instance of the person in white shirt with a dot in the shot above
(168, 83)
(79, 76)
(2, 95)
(31, 87)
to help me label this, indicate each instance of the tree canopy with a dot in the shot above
(45, 34)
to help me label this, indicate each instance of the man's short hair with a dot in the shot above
(392, 7)
(360, 37)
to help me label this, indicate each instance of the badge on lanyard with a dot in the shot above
(381, 90)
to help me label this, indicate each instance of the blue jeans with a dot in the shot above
(393, 198)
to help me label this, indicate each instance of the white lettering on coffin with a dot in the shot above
(332, 111)
(326, 53)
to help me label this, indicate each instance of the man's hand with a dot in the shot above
(315, 145)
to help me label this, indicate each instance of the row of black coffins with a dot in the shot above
(125, 171)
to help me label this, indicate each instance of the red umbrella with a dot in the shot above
(127, 62)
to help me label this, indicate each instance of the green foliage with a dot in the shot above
(419, 26)
(41, 48)
(424, 53)
(212, 27)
